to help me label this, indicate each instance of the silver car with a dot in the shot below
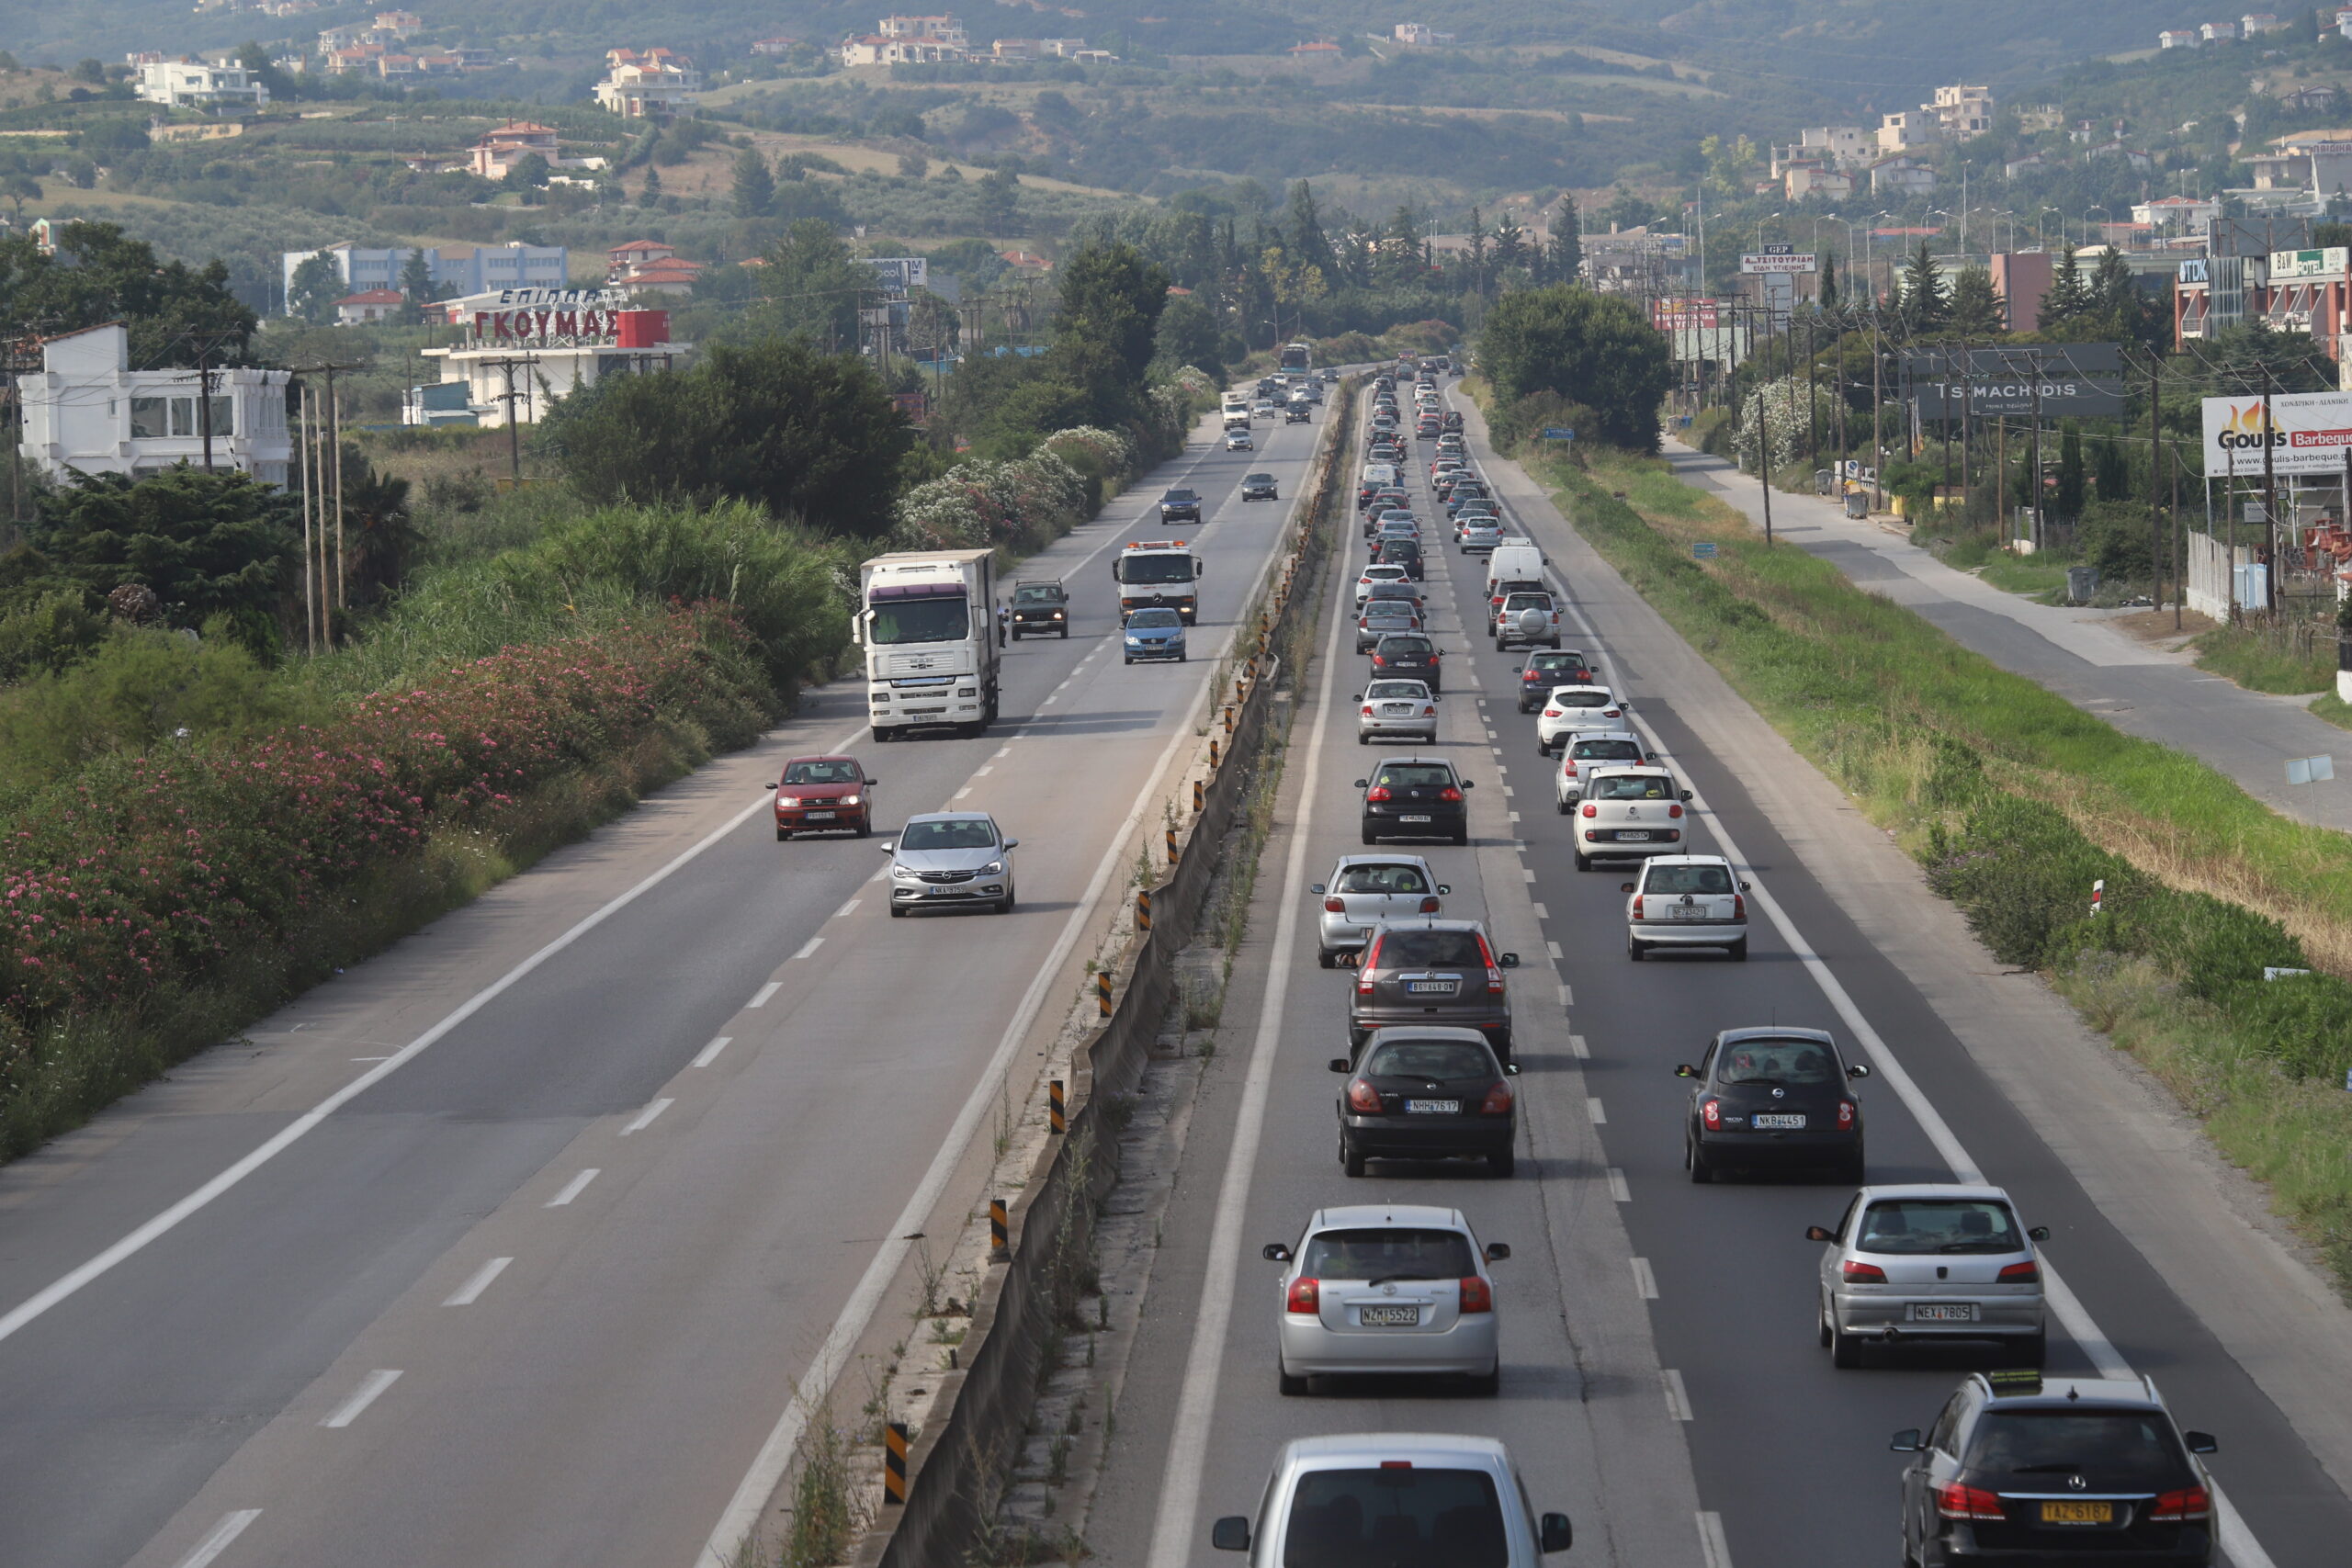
(1628, 812)
(1388, 1290)
(1686, 901)
(1480, 534)
(950, 859)
(1397, 707)
(1364, 890)
(1380, 1497)
(1931, 1262)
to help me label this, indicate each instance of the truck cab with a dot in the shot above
(926, 622)
(1158, 573)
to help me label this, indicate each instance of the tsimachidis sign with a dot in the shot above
(2059, 380)
(2307, 432)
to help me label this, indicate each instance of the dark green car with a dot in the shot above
(1040, 609)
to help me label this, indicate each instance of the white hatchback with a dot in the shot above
(1365, 891)
(1594, 749)
(1571, 710)
(1686, 901)
(1388, 1290)
(1398, 709)
(1630, 812)
(1372, 574)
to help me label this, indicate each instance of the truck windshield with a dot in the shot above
(1156, 569)
(921, 620)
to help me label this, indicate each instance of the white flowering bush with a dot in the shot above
(1787, 421)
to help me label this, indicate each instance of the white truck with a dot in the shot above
(1158, 573)
(927, 621)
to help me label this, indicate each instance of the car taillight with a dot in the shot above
(1430, 905)
(1367, 710)
(1448, 794)
(1846, 1115)
(1306, 1296)
(1739, 908)
(1494, 981)
(1590, 809)
(2021, 1274)
(1377, 660)
(1428, 712)
(1363, 1097)
(1608, 713)
(1477, 1295)
(1377, 792)
(1711, 1111)
(1570, 767)
(1498, 1102)
(1671, 811)
(2178, 1507)
(1954, 1501)
(1336, 905)
(1862, 1273)
(1551, 713)
(1637, 905)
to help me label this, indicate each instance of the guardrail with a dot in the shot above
(984, 1405)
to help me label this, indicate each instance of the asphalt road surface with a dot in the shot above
(450, 1264)
(1661, 1379)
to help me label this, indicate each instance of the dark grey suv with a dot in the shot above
(1427, 972)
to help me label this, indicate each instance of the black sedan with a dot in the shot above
(1425, 1093)
(1409, 656)
(1258, 487)
(1416, 797)
(1180, 506)
(1773, 1098)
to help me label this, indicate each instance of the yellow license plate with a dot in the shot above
(2067, 1511)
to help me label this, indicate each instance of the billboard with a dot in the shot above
(2329, 262)
(2059, 380)
(2307, 432)
(1779, 258)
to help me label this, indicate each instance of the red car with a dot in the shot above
(818, 795)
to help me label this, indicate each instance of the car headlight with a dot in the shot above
(903, 874)
(787, 800)
(1057, 614)
(849, 800)
(994, 868)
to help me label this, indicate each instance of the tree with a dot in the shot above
(914, 165)
(1975, 308)
(527, 173)
(650, 193)
(2068, 498)
(813, 288)
(1926, 308)
(416, 282)
(208, 544)
(932, 325)
(92, 71)
(1303, 228)
(1188, 334)
(2111, 475)
(999, 211)
(1103, 339)
(18, 189)
(1828, 298)
(1588, 349)
(312, 292)
(754, 186)
(1511, 252)
(803, 434)
(2066, 297)
(175, 313)
(1564, 261)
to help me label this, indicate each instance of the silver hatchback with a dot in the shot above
(1686, 901)
(1397, 708)
(1945, 1261)
(1364, 890)
(1388, 1290)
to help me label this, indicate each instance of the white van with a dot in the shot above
(1514, 561)
(1237, 411)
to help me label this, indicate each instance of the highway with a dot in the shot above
(1661, 1381)
(512, 1246)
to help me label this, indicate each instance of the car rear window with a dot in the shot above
(1415, 950)
(1608, 750)
(1385, 1252)
(1777, 1062)
(1688, 879)
(2118, 1447)
(1394, 587)
(1382, 879)
(1383, 573)
(1923, 1226)
(1414, 775)
(1391, 645)
(1631, 786)
(1581, 699)
(1396, 1518)
(1429, 1059)
(1528, 602)
(1413, 689)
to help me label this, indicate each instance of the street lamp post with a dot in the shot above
(2103, 212)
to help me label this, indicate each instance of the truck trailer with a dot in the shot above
(926, 620)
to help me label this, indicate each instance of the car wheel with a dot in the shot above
(1352, 1159)
(782, 835)
(1065, 634)
(1543, 747)
(1738, 951)
(1503, 1163)
(1584, 861)
(898, 911)
(1821, 1324)
(1702, 1173)
(2037, 1348)
(1370, 837)
(1129, 658)
(1325, 958)
(1845, 1349)
(1287, 1383)
(1635, 950)
(1491, 1385)
(1181, 657)
(1461, 836)
(1362, 738)
(865, 826)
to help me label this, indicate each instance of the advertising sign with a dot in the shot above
(2059, 380)
(1777, 258)
(2329, 262)
(544, 328)
(2307, 434)
(898, 274)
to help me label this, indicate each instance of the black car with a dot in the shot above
(1419, 1093)
(1297, 414)
(1553, 667)
(1459, 495)
(1408, 656)
(1426, 973)
(1399, 550)
(1180, 506)
(1452, 419)
(1415, 798)
(1772, 1099)
(1040, 609)
(2022, 1468)
(1258, 487)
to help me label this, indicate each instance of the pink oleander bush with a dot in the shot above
(154, 888)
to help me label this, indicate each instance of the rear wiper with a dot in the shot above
(1397, 1278)
(1983, 1246)
(2044, 1468)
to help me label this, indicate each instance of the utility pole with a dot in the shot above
(310, 504)
(507, 366)
(1764, 462)
(2039, 532)
(2155, 495)
(1811, 405)
(1878, 414)
(2269, 504)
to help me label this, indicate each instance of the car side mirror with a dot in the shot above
(777, 785)
(1745, 886)
(2200, 1442)
(1338, 1064)
(1652, 757)
(1859, 1070)
(2038, 1232)
(1012, 843)
(873, 783)
(1274, 1252)
(888, 846)
(1364, 783)
(1469, 783)
(1556, 1534)
(1689, 794)
(1625, 887)
(1510, 1069)
(1906, 1441)
(1507, 961)
(1230, 1533)
(1685, 1070)
(1819, 1233)
(1315, 888)
(1444, 888)
(1498, 1252)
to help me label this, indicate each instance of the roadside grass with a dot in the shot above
(2015, 802)
(2029, 576)
(2333, 709)
(2262, 659)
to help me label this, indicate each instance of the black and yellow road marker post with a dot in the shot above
(1057, 1107)
(894, 1463)
(999, 1236)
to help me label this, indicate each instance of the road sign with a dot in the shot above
(1558, 432)
(2310, 770)
(1777, 258)
(1704, 549)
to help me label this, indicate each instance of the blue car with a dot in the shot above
(1155, 634)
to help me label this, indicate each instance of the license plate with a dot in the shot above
(944, 893)
(1942, 1312)
(1633, 836)
(1433, 1107)
(1429, 987)
(2067, 1511)
(1778, 1121)
(1409, 818)
(1686, 912)
(1398, 710)
(820, 817)
(1389, 1316)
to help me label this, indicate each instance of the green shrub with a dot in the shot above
(52, 632)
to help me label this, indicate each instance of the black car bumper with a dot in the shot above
(1759, 1151)
(1958, 1547)
(1194, 515)
(1428, 1137)
(1263, 492)
(1394, 824)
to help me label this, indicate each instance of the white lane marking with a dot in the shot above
(1645, 1280)
(574, 1188)
(1577, 1048)
(2237, 1540)
(1710, 1540)
(1677, 1398)
(1553, 947)
(1618, 1187)
(983, 773)
(1507, 792)
(1004, 752)
(371, 1058)
(1180, 1489)
(965, 791)
(1515, 816)
(470, 1292)
(1593, 1107)
(806, 948)
(1527, 874)
(1544, 914)
(846, 911)
(709, 1053)
(146, 1234)
(760, 998)
(371, 1388)
(230, 1527)
(645, 1117)
(1567, 996)
(768, 1467)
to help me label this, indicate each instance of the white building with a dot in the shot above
(460, 269)
(2178, 214)
(2255, 22)
(540, 345)
(652, 85)
(87, 410)
(948, 30)
(1909, 127)
(2175, 38)
(193, 85)
(2217, 32)
(1963, 111)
